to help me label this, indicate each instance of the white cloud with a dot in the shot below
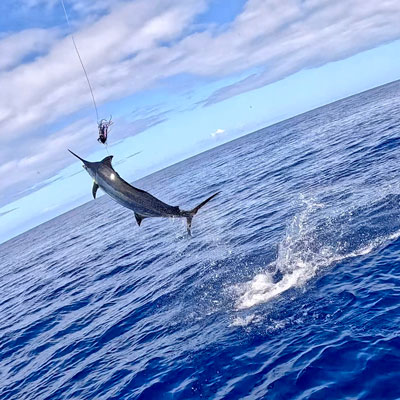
(30, 42)
(80, 6)
(44, 157)
(47, 156)
(37, 3)
(282, 38)
(117, 53)
(217, 133)
(137, 44)
(125, 52)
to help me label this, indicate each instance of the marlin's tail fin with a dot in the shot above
(193, 212)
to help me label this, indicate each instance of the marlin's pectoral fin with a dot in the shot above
(94, 189)
(139, 218)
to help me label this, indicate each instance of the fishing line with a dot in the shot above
(80, 59)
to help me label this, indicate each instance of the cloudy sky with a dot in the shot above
(178, 77)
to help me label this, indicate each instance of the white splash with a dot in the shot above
(300, 258)
(243, 321)
(218, 132)
(262, 288)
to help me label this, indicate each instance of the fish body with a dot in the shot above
(142, 203)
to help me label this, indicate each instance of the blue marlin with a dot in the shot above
(142, 203)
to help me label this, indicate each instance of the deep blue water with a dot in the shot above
(289, 289)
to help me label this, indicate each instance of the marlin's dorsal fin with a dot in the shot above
(139, 218)
(107, 161)
(94, 189)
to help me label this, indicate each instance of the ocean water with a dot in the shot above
(288, 289)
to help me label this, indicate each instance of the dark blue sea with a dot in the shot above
(288, 289)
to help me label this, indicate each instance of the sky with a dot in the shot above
(178, 78)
